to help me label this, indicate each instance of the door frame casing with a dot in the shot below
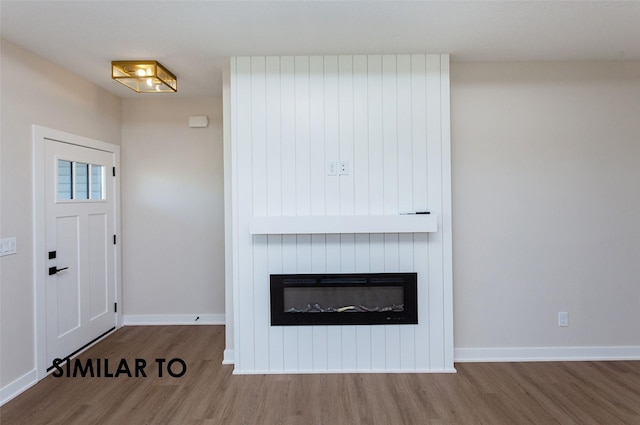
(40, 134)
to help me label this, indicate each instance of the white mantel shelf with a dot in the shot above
(286, 225)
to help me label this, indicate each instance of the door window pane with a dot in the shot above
(64, 179)
(96, 181)
(81, 181)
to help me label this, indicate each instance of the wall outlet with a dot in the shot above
(563, 319)
(343, 168)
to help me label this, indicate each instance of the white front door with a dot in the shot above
(80, 272)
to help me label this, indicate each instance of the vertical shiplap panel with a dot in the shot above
(390, 188)
(289, 333)
(407, 332)
(378, 335)
(288, 135)
(405, 141)
(274, 151)
(320, 349)
(274, 194)
(422, 330)
(348, 265)
(405, 195)
(360, 170)
(376, 192)
(320, 344)
(303, 192)
(390, 133)
(447, 238)
(316, 137)
(259, 185)
(434, 190)
(345, 106)
(419, 135)
(419, 131)
(276, 333)
(347, 241)
(332, 133)
(332, 194)
(261, 301)
(246, 348)
(334, 333)
(360, 163)
(288, 176)
(318, 181)
(259, 135)
(392, 332)
(363, 333)
(302, 132)
(349, 349)
(305, 333)
(376, 152)
(232, 240)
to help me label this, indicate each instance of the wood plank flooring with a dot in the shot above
(584, 393)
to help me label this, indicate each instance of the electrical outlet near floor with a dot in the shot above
(563, 319)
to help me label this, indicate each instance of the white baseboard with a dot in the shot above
(16, 387)
(546, 354)
(339, 371)
(173, 319)
(228, 357)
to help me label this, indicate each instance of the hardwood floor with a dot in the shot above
(602, 393)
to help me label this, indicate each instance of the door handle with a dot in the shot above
(54, 270)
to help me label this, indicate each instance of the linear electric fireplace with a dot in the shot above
(344, 299)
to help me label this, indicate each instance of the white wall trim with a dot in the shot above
(172, 319)
(546, 354)
(16, 387)
(228, 357)
(230, 269)
(340, 371)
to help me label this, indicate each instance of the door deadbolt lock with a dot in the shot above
(54, 270)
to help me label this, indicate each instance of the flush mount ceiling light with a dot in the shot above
(144, 76)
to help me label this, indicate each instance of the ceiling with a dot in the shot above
(194, 39)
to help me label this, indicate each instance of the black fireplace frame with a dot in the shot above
(408, 281)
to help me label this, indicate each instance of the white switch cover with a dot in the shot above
(332, 168)
(8, 246)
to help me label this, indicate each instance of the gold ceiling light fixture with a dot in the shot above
(144, 76)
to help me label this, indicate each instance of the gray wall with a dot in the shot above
(34, 91)
(172, 208)
(546, 167)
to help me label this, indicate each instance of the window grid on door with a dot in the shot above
(80, 181)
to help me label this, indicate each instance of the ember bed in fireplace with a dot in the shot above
(344, 299)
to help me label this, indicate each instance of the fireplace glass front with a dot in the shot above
(344, 299)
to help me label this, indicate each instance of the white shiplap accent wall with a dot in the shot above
(388, 116)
